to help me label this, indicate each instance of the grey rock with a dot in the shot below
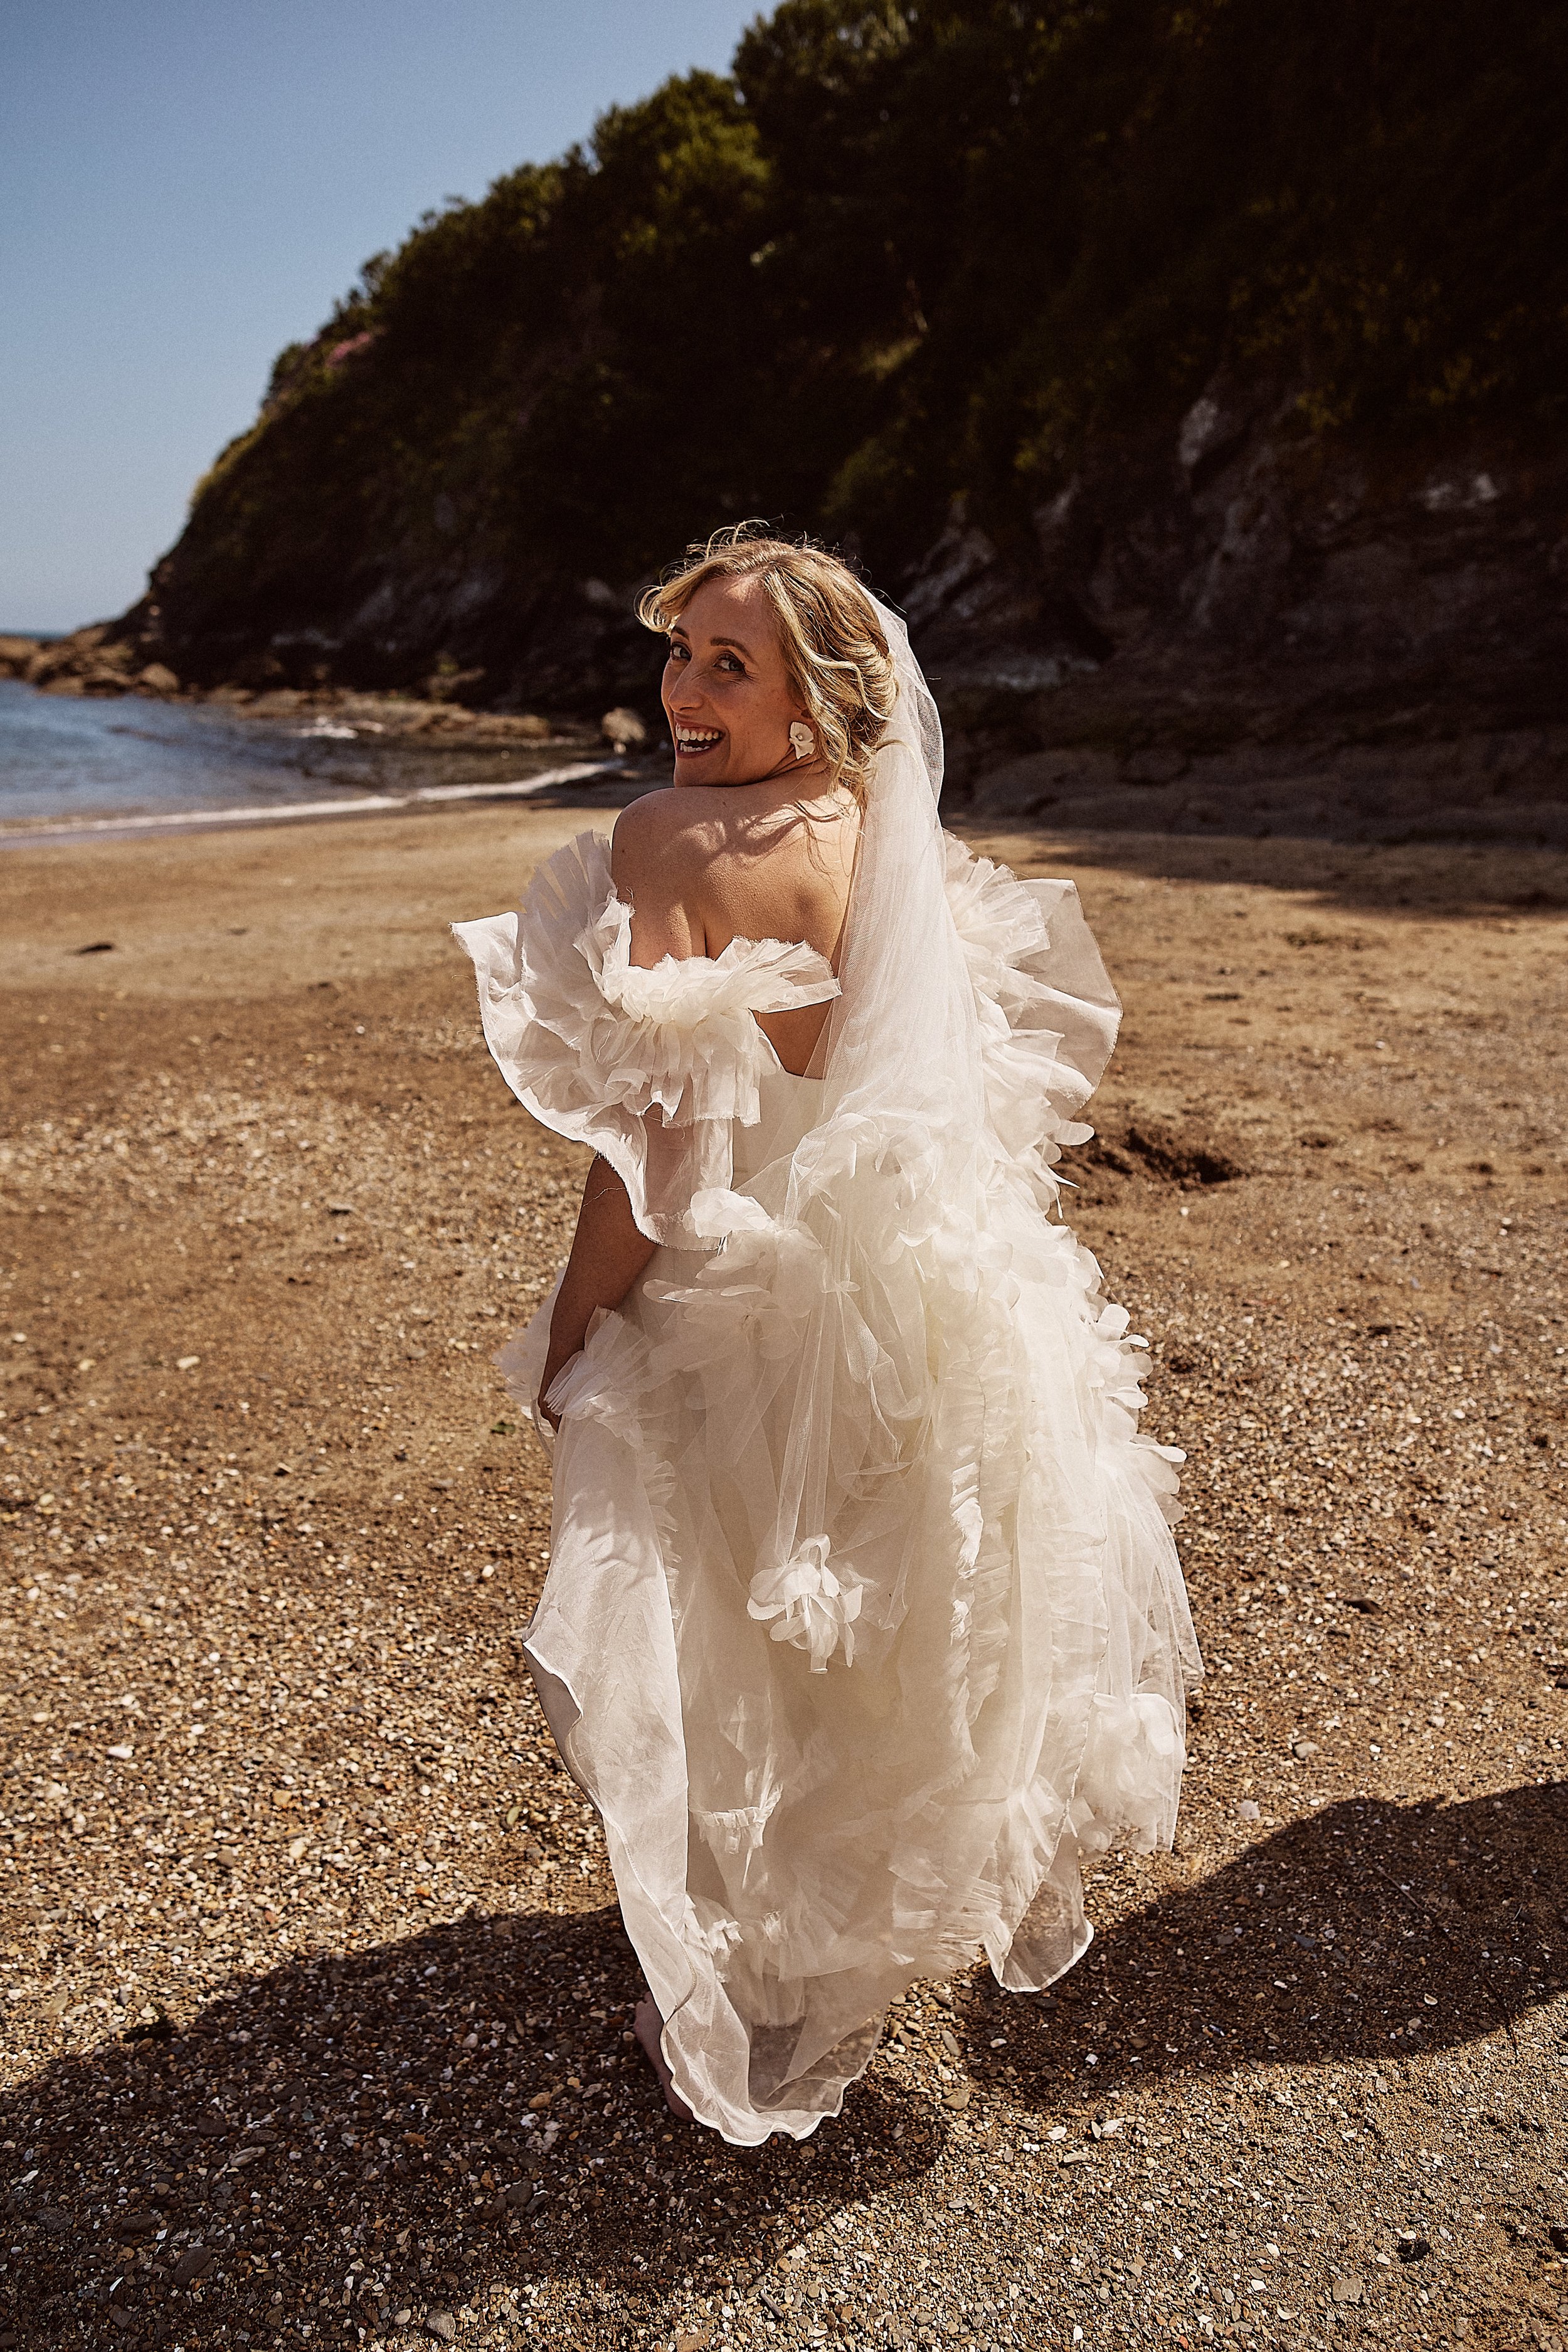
(16, 655)
(441, 2326)
(622, 730)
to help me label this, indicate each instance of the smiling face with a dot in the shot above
(727, 693)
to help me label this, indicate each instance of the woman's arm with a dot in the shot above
(608, 1250)
(608, 1253)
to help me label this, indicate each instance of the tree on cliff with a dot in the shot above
(902, 253)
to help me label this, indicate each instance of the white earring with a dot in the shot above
(803, 742)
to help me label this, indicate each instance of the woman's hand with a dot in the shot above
(608, 1253)
(554, 1363)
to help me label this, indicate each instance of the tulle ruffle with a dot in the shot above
(1048, 1013)
(652, 1067)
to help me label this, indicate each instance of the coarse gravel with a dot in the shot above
(318, 2009)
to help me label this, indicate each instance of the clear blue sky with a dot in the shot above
(187, 185)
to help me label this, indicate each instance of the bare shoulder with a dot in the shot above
(701, 866)
(657, 853)
(659, 840)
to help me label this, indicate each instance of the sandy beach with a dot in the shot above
(318, 2008)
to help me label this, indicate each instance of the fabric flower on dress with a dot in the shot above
(714, 1932)
(809, 1605)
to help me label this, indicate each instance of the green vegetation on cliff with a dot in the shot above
(903, 252)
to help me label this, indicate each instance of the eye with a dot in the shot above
(678, 652)
(728, 661)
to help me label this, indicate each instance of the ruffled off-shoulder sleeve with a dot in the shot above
(1048, 1013)
(651, 1067)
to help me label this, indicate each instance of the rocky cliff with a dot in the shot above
(1194, 378)
(1233, 623)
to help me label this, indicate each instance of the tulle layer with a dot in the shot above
(864, 1620)
(809, 1804)
(1048, 1015)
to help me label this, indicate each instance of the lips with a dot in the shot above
(692, 742)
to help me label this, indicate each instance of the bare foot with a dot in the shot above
(647, 2025)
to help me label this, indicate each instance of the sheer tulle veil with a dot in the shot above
(902, 1102)
(886, 1203)
(903, 1033)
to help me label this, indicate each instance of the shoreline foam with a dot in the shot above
(23, 832)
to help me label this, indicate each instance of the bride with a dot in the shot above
(864, 1623)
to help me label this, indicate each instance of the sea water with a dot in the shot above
(72, 757)
(74, 767)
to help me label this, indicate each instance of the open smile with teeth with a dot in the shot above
(690, 742)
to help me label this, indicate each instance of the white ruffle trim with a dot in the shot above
(1132, 1771)
(1048, 1013)
(651, 1067)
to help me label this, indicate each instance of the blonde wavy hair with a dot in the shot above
(834, 648)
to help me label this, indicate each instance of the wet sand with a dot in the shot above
(326, 1971)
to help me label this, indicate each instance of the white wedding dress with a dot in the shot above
(864, 1621)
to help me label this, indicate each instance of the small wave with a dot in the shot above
(19, 833)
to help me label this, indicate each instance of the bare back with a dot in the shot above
(702, 866)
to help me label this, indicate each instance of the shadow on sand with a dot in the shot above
(371, 2109)
(1507, 881)
(1363, 1934)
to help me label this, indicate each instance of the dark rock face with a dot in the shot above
(464, 634)
(1502, 784)
(1240, 335)
(1237, 623)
